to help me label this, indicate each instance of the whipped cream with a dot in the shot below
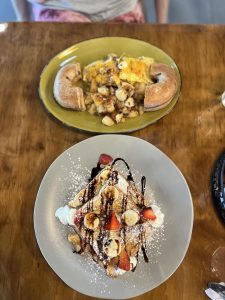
(65, 215)
(159, 216)
(122, 184)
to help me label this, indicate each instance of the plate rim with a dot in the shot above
(189, 232)
(101, 131)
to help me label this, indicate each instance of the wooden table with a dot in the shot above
(192, 135)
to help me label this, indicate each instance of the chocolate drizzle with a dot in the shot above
(143, 248)
(124, 203)
(143, 184)
(91, 189)
(114, 177)
(95, 171)
(143, 243)
(106, 210)
(129, 176)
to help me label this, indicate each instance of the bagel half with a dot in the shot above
(160, 93)
(66, 93)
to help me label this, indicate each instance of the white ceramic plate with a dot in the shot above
(170, 191)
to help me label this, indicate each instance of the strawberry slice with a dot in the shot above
(148, 214)
(113, 223)
(124, 261)
(105, 159)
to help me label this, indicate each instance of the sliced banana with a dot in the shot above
(75, 240)
(104, 175)
(112, 247)
(130, 217)
(78, 200)
(133, 262)
(91, 221)
(111, 193)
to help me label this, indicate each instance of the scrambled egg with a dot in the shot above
(136, 70)
(112, 71)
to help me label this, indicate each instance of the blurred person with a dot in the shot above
(128, 11)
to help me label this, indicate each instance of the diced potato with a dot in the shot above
(92, 110)
(125, 111)
(119, 105)
(128, 88)
(121, 95)
(88, 99)
(110, 107)
(98, 99)
(101, 109)
(103, 90)
(93, 87)
(133, 114)
(119, 118)
(129, 102)
(107, 121)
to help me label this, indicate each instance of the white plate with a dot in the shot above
(170, 191)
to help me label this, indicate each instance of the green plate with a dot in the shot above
(87, 52)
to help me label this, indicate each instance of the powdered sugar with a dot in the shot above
(77, 177)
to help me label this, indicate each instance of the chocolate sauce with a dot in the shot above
(145, 254)
(136, 264)
(95, 171)
(114, 177)
(129, 176)
(84, 197)
(91, 189)
(143, 184)
(142, 241)
(124, 203)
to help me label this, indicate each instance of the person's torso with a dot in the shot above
(96, 10)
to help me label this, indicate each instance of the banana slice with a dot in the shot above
(130, 217)
(104, 175)
(111, 193)
(112, 247)
(75, 240)
(91, 221)
(133, 262)
(78, 200)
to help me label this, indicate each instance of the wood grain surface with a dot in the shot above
(192, 135)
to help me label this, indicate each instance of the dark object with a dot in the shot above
(218, 288)
(218, 186)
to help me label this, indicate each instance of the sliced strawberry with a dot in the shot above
(124, 261)
(105, 159)
(77, 217)
(113, 223)
(148, 214)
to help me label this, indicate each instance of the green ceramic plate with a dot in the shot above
(87, 52)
